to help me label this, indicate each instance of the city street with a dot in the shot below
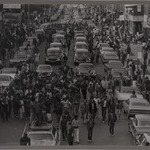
(39, 93)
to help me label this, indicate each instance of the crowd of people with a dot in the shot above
(69, 96)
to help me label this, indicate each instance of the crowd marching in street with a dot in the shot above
(74, 99)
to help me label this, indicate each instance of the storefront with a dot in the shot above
(146, 26)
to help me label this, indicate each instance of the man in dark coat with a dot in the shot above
(92, 107)
(111, 122)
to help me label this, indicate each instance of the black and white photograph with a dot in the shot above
(75, 74)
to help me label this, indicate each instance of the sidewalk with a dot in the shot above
(137, 51)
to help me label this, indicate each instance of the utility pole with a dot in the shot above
(112, 18)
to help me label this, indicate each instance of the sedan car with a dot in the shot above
(143, 139)
(86, 69)
(139, 125)
(125, 92)
(44, 69)
(106, 50)
(59, 37)
(114, 64)
(106, 57)
(81, 56)
(18, 58)
(116, 73)
(134, 106)
(54, 55)
(9, 71)
(5, 80)
(42, 138)
(81, 39)
(80, 45)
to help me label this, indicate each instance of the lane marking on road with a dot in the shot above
(24, 128)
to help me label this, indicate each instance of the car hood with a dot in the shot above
(5, 83)
(42, 143)
(18, 60)
(142, 108)
(125, 96)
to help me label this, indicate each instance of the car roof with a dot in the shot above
(81, 64)
(114, 61)
(142, 117)
(42, 132)
(81, 43)
(81, 50)
(80, 37)
(3, 74)
(53, 49)
(147, 136)
(110, 48)
(59, 35)
(42, 65)
(56, 43)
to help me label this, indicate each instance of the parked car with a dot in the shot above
(143, 139)
(42, 138)
(116, 73)
(5, 80)
(81, 56)
(125, 92)
(81, 39)
(58, 44)
(139, 125)
(86, 69)
(106, 50)
(17, 59)
(59, 37)
(106, 57)
(9, 71)
(54, 55)
(80, 45)
(134, 106)
(114, 64)
(104, 45)
(44, 69)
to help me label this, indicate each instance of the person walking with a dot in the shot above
(104, 108)
(70, 133)
(111, 122)
(90, 126)
(92, 108)
(75, 125)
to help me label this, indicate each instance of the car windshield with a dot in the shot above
(41, 137)
(139, 104)
(4, 78)
(44, 68)
(82, 53)
(53, 52)
(81, 46)
(128, 90)
(56, 45)
(86, 66)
